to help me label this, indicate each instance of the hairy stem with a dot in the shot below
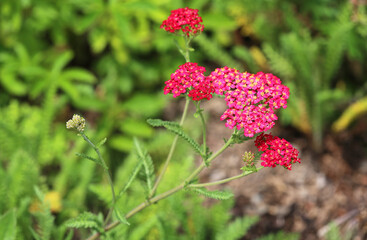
(198, 110)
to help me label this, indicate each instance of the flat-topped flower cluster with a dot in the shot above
(251, 99)
(186, 20)
(190, 78)
(276, 151)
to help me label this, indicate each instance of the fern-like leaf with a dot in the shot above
(177, 129)
(148, 167)
(86, 220)
(335, 47)
(161, 123)
(219, 195)
(103, 141)
(278, 63)
(44, 217)
(237, 229)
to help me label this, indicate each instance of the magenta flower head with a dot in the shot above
(251, 98)
(186, 20)
(276, 151)
(190, 78)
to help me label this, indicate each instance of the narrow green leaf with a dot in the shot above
(8, 223)
(92, 159)
(219, 195)
(39, 193)
(34, 234)
(103, 141)
(177, 129)
(121, 217)
(79, 74)
(131, 178)
(62, 61)
(12, 84)
(148, 167)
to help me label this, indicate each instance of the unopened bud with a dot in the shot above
(76, 122)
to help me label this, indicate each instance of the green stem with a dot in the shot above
(187, 47)
(224, 180)
(170, 154)
(105, 168)
(185, 52)
(165, 194)
(198, 110)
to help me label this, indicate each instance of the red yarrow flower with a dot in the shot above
(186, 20)
(276, 151)
(190, 77)
(252, 98)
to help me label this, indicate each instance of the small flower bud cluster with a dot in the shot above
(251, 98)
(276, 151)
(185, 19)
(189, 76)
(76, 122)
(248, 158)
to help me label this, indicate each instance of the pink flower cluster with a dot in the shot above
(190, 76)
(251, 98)
(185, 19)
(276, 151)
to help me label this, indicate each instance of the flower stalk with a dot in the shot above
(107, 172)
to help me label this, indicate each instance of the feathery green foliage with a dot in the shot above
(148, 167)
(8, 223)
(44, 218)
(177, 129)
(86, 220)
(219, 195)
(237, 229)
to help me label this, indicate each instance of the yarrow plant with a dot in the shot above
(252, 101)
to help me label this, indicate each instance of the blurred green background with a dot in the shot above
(108, 59)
